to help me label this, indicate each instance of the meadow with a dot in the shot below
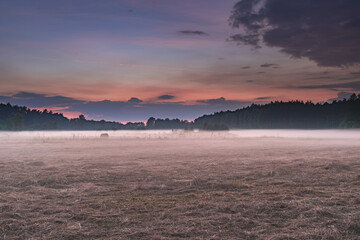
(254, 184)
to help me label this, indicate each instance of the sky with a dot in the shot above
(128, 60)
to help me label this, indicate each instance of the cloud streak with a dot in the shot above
(192, 32)
(354, 86)
(135, 100)
(166, 97)
(36, 100)
(263, 98)
(266, 65)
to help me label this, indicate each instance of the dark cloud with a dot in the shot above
(123, 111)
(346, 78)
(354, 86)
(246, 67)
(340, 96)
(220, 100)
(166, 97)
(118, 111)
(318, 78)
(223, 102)
(325, 31)
(134, 100)
(35, 100)
(266, 65)
(263, 98)
(355, 73)
(192, 32)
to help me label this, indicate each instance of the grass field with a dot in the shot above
(176, 185)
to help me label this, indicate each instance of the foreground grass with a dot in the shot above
(180, 188)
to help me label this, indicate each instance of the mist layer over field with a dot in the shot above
(320, 134)
(248, 184)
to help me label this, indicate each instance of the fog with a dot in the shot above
(169, 134)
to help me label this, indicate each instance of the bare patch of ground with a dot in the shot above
(209, 188)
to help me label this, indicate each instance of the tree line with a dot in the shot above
(16, 118)
(274, 115)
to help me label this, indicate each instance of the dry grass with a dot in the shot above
(181, 188)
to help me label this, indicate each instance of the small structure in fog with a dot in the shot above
(104, 135)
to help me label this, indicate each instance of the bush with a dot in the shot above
(214, 127)
(16, 122)
(349, 124)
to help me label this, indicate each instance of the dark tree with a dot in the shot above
(22, 118)
(150, 124)
(16, 122)
(292, 114)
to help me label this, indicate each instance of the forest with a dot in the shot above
(290, 115)
(15, 118)
(274, 115)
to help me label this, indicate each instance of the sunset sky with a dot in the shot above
(128, 60)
